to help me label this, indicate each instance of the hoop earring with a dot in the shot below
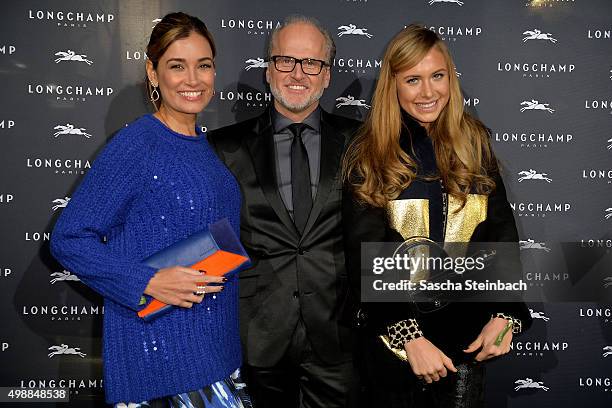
(154, 94)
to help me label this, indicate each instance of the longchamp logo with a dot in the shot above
(598, 174)
(64, 18)
(6, 198)
(610, 145)
(60, 203)
(596, 382)
(37, 236)
(607, 282)
(356, 65)
(537, 348)
(533, 140)
(599, 34)
(135, 55)
(59, 166)
(62, 313)
(537, 34)
(538, 315)
(531, 174)
(541, 279)
(70, 55)
(458, 2)
(249, 99)
(255, 63)
(605, 314)
(608, 213)
(154, 22)
(531, 244)
(453, 33)
(535, 105)
(63, 276)
(69, 92)
(607, 351)
(350, 100)
(252, 27)
(541, 209)
(64, 349)
(74, 384)
(598, 104)
(70, 129)
(7, 124)
(529, 383)
(352, 29)
(7, 49)
(539, 70)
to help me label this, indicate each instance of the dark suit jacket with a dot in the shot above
(293, 275)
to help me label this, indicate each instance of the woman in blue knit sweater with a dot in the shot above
(155, 183)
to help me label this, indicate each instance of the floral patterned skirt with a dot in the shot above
(227, 393)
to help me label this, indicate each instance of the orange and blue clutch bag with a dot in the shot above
(216, 250)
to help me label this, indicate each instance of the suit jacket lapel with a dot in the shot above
(332, 144)
(261, 148)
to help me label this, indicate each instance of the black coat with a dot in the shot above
(454, 326)
(293, 275)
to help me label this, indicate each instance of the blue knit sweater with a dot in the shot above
(149, 188)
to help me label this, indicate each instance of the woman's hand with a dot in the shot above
(486, 340)
(177, 286)
(427, 361)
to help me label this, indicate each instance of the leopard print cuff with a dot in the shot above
(517, 325)
(403, 331)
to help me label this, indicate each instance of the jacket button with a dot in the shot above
(296, 294)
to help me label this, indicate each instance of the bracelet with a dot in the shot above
(517, 325)
(403, 331)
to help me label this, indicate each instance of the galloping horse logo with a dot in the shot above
(608, 281)
(352, 29)
(536, 34)
(69, 129)
(608, 213)
(533, 175)
(529, 383)
(446, 1)
(157, 20)
(610, 145)
(255, 63)
(538, 315)
(71, 56)
(64, 349)
(64, 276)
(350, 100)
(535, 105)
(531, 244)
(607, 351)
(60, 203)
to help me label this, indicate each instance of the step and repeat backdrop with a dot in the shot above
(538, 73)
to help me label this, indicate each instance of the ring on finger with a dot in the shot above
(201, 290)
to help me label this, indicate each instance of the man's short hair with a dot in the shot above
(299, 18)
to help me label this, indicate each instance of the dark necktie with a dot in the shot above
(300, 177)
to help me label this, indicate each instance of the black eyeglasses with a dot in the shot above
(310, 66)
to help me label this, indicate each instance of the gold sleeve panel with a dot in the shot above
(461, 224)
(409, 217)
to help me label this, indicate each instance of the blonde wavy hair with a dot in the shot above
(376, 167)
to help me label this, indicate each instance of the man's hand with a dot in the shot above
(427, 361)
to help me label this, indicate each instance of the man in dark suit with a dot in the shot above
(288, 164)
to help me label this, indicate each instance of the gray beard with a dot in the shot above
(295, 108)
